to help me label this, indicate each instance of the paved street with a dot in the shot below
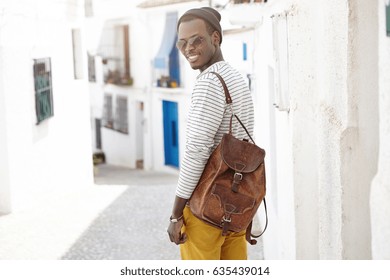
(133, 226)
(123, 217)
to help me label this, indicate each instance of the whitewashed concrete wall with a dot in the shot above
(346, 112)
(5, 195)
(54, 156)
(273, 133)
(360, 140)
(318, 189)
(121, 149)
(380, 187)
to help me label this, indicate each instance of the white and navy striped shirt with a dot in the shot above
(209, 119)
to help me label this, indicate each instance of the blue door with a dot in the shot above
(171, 137)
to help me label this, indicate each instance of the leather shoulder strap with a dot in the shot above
(249, 228)
(229, 102)
(225, 89)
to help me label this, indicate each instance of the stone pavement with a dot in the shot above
(123, 217)
(134, 225)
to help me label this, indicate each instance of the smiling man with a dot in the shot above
(199, 40)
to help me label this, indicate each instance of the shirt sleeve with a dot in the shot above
(204, 120)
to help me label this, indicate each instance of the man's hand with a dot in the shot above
(174, 232)
(174, 228)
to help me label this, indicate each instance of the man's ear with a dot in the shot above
(216, 38)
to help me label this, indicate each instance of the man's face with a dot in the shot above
(195, 44)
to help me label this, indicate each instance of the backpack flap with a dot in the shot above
(241, 156)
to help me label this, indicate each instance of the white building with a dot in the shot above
(44, 102)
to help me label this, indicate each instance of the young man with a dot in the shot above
(199, 40)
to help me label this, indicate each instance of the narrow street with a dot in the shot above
(134, 225)
(122, 217)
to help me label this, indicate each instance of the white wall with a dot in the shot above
(55, 155)
(5, 195)
(380, 187)
(346, 110)
(273, 133)
(334, 116)
(317, 187)
(360, 141)
(121, 149)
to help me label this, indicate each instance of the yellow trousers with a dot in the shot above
(205, 242)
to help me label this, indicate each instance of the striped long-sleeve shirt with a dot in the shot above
(209, 119)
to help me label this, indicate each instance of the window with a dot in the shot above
(120, 123)
(114, 49)
(91, 68)
(43, 89)
(388, 20)
(98, 133)
(108, 120)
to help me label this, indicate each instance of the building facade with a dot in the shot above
(322, 120)
(44, 102)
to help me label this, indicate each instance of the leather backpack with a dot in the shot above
(232, 185)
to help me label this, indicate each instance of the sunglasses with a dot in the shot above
(194, 42)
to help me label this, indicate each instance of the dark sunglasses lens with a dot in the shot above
(195, 42)
(180, 44)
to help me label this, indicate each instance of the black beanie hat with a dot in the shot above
(211, 16)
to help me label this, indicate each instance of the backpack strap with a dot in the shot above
(243, 126)
(249, 228)
(229, 101)
(225, 89)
